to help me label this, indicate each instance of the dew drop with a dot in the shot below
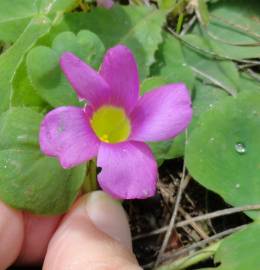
(212, 139)
(254, 112)
(240, 148)
(22, 137)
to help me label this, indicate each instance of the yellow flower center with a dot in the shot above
(111, 124)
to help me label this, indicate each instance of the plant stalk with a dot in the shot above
(90, 182)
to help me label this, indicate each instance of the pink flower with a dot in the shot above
(115, 123)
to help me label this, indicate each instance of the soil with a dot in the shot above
(149, 215)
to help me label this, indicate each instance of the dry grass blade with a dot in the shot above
(212, 215)
(174, 254)
(183, 184)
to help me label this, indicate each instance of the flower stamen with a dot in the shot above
(111, 124)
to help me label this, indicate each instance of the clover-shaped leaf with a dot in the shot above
(239, 251)
(28, 179)
(223, 151)
(16, 14)
(44, 69)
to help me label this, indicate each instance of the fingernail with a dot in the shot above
(109, 216)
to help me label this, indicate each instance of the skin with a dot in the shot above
(94, 235)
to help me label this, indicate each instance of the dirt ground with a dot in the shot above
(148, 217)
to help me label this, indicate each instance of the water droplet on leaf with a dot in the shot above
(22, 138)
(254, 112)
(237, 185)
(240, 148)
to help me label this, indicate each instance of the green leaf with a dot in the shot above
(28, 179)
(47, 77)
(239, 251)
(152, 83)
(222, 73)
(233, 30)
(23, 92)
(166, 4)
(236, 21)
(139, 28)
(223, 151)
(248, 84)
(171, 68)
(12, 58)
(203, 12)
(16, 14)
(208, 42)
(52, 6)
(14, 17)
(205, 97)
(85, 44)
(161, 150)
(171, 63)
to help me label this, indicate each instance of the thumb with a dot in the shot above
(94, 235)
(11, 235)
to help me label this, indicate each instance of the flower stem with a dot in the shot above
(90, 182)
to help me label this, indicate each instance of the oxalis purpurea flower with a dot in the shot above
(115, 123)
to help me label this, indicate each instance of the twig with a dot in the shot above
(194, 225)
(215, 214)
(144, 235)
(249, 65)
(229, 90)
(219, 213)
(174, 214)
(253, 74)
(202, 243)
(187, 26)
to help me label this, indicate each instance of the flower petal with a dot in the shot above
(105, 3)
(119, 69)
(88, 84)
(161, 113)
(128, 170)
(65, 133)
